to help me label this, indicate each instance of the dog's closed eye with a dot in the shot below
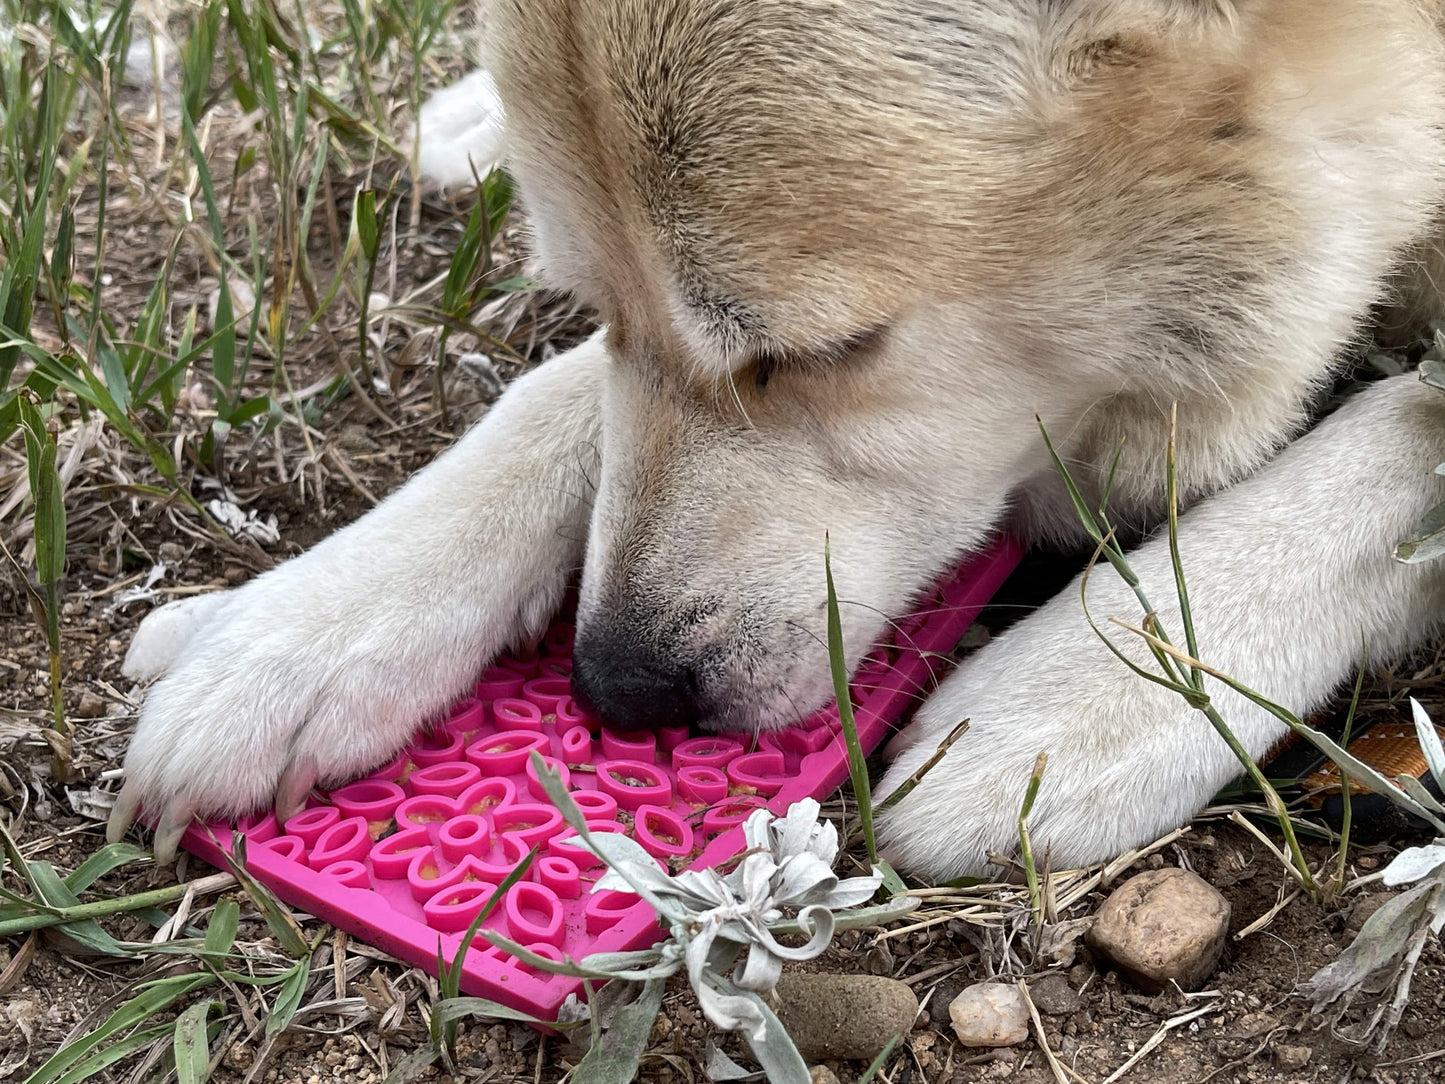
(769, 361)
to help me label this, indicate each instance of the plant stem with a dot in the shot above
(52, 635)
(1271, 798)
(1026, 847)
(99, 909)
(1346, 812)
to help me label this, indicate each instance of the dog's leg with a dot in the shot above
(1289, 574)
(324, 666)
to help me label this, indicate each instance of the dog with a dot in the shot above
(845, 253)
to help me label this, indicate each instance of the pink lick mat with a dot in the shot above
(406, 857)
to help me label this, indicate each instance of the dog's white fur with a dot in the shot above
(460, 132)
(1082, 209)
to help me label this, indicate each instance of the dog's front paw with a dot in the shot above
(267, 689)
(324, 667)
(1110, 783)
(460, 132)
(1128, 760)
(165, 632)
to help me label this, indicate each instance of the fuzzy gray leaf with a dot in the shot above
(615, 1057)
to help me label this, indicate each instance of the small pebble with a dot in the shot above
(938, 1002)
(1364, 907)
(1080, 974)
(1053, 995)
(90, 706)
(1164, 926)
(879, 961)
(990, 1014)
(844, 1016)
(1255, 1024)
(821, 1074)
(1292, 1057)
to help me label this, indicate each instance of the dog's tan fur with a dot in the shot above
(846, 250)
(1131, 194)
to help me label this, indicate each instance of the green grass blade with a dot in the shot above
(458, 1008)
(153, 997)
(110, 857)
(288, 998)
(857, 765)
(1181, 589)
(87, 931)
(192, 1045)
(221, 931)
(40, 456)
(876, 1065)
(454, 973)
(1347, 811)
(278, 919)
(93, 1066)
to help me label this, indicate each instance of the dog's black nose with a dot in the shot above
(629, 686)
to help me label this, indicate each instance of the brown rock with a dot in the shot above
(90, 706)
(1255, 1024)
(1053, 996)
(1161, 926)
(1364, 907)
(844, 1016)
(1291, 1058)
(821, 1074)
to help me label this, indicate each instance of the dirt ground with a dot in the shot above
(361, 1013)
(1245, 1026)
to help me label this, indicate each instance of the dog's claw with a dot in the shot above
(296, 783)
(172, 826)
(122, 814)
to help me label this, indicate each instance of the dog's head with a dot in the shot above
(845, 251)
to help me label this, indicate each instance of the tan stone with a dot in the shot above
(1164, 926)
(844, 1016)
(1291, 1058)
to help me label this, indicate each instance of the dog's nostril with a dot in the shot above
(630, 687)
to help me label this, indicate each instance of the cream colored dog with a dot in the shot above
(846, 250)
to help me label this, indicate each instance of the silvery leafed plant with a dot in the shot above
(723, 930)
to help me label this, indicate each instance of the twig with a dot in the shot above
(357, 484)
(15, 970)
(917, 777)
(1265, 919)
(937, 972)
(1157, 1038)
(1105, 875)
(1414, 1059)
(1058, 1067)
(1026, 848)
(1240, 819)
(216, 882)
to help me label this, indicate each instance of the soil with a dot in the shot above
(1249, 1014)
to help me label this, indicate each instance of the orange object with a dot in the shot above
(1392, 749)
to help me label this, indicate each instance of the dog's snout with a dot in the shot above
(631, 686)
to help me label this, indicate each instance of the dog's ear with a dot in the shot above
(1086, 36)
